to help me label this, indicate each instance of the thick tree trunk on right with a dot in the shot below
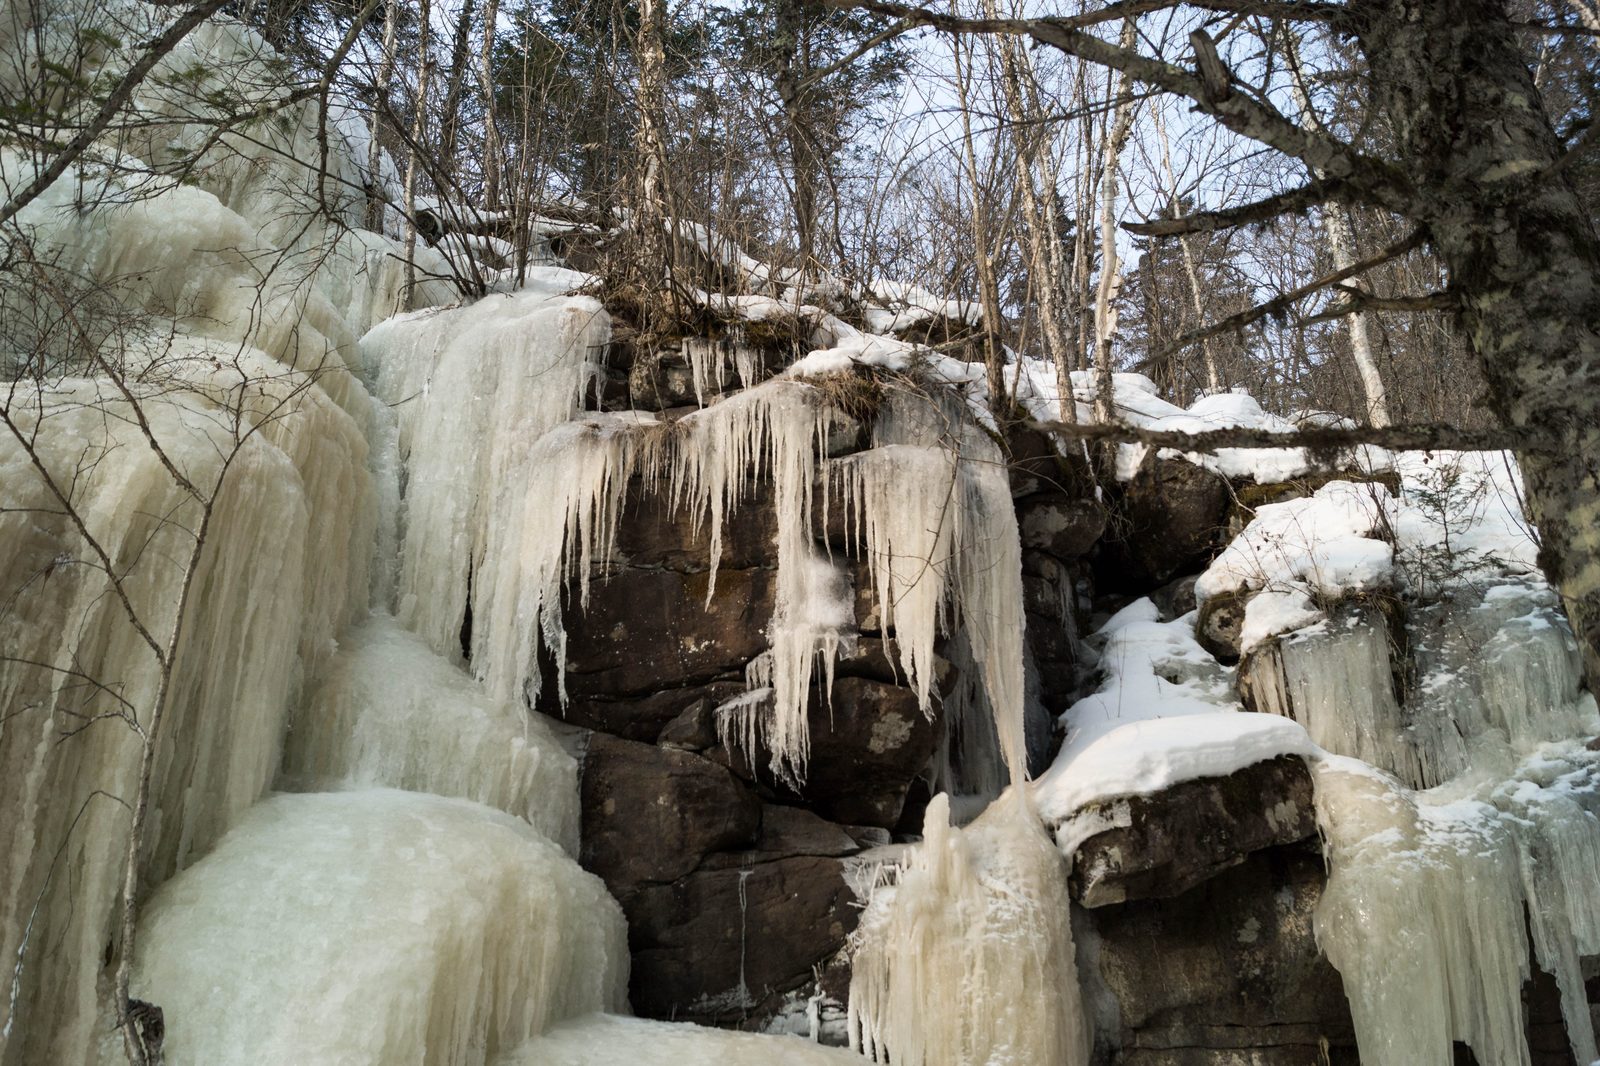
(1522, 253)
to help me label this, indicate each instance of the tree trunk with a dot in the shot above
(803, 159)
(1522, 253)
(491, 128)
(375, 195)
(650, 210)
(419, 126)
(1041, 238)
(1341, 248)
(1105, 312)
(1190, 268)
(984, 245)
(459, 50)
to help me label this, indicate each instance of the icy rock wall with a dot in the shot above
(1455, 819)
(376, 927)
(254, 614)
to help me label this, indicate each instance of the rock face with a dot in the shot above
(733, 884)
(1226, 974)
(1162, 845)
(1171, 518)
(651, 813)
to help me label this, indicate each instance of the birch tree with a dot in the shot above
(1475, 167)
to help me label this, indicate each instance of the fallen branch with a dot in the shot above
(1428, 437)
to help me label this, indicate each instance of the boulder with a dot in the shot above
(1168, 520)
(1164, 844)
(654, 535)
(1227, 973)
(660, 379)
(647, 630)
(652, 814)
(1061, 525)
(1176, 598)
(1220, 625)
(1036, 465)
(648, 717)
(868, 742)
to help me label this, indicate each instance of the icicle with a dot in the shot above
(476, 387)
(552, 522)
(778, 430)
(376, 927)
(1422, 916)
(941, 539)
(1336, 679)
(390, 713)
(967, 958)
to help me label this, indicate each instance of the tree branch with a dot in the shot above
(155, 51)
(1356, 301)
(1238, 112)
(1283, 203)
(1281, 303)
(1315, 438)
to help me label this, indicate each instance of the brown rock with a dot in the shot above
(646, 718)
(1220, 625)
(653, 534)
(1164, 844)
(723, 945)
(652, 814)
(645, 630)
(1170, 519)
(1063, 526)
(1228, 973)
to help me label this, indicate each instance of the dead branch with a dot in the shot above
(1315, 438)
(1264, 210)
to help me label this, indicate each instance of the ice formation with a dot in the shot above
(965, 956)
(609, 1040)
(475, 387)
(377, 927)
(263, 608)
(1424, 911)
(390, 713)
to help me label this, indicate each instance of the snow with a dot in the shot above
(1165, 714)
(1328, 542)
(376, 927)
(608, 1040)
(913, 305)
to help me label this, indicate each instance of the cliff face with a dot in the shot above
(523, 669)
